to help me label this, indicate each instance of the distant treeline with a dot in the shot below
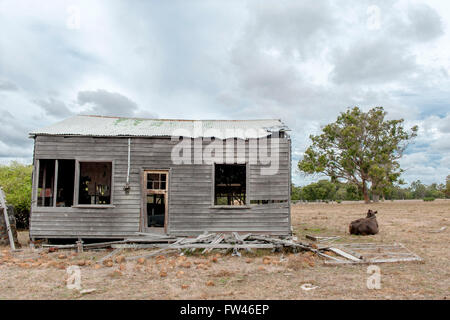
(328, 191)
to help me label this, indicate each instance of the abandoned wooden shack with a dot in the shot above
(110, 177)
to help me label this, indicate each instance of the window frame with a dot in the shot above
(77, 184)
(247, 189)
(159, 172)
(35, 193)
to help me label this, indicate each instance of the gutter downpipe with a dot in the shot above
(129, 158)
(127, 185)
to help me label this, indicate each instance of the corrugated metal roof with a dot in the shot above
(101, 126)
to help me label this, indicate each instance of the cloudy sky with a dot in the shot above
(300, 61)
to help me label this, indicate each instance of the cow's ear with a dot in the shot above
(375, 212)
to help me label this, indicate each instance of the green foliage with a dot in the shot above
(447, 187)
(351, 192)
(428, 199)
(435, 191)
(15, 179)
(326, 190)
(296, 193)
(396, 192)
(336, 191)
(419, 190)
(359, 148)
(322, 190)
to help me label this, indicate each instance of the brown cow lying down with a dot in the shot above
(365, 226)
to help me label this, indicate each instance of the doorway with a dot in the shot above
(155, 200)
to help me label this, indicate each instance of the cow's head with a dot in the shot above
(371, 213)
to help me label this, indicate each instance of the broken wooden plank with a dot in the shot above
(85, 246)
(139, 245)
(211, 246)
(368, 245)
(8, 226)
(322, 239)
(217, 240)
(60, 246)
(101, 244)
(153, 235)
(244, 236)
(238, 237)
(344, 254)
(201, 238)
(145, 256)
(313, 238)
(110, 255)
(374, 261)
(375, 253)
(150, 240)
(409, 251)
(328, 256)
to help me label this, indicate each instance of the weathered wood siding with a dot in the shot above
(190, 191)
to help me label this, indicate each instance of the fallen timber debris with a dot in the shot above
(334, 254)
(234, 242)
(345, 254)
(322, 239)
(6, 216)
(110, 255)
(371, 253)
(85, 246)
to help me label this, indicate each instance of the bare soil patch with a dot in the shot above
(258, 275)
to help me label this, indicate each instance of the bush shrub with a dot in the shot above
(15, 179)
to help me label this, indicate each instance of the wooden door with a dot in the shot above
(155, 199)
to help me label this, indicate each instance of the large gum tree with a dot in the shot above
(362, 148)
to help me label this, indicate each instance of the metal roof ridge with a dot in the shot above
(166, 119)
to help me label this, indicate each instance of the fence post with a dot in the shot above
(8, 226)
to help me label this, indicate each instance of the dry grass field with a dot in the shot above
(28, 275)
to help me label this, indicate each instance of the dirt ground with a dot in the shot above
(259, 275)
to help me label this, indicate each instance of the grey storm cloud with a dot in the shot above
(424, 24)
(371, 62)
(7, 86)
(301, 25)
(262, 59)
(103, 102)
(13, 135)
(107, 103)
(387, 55)
(54, 107)
(444, 124)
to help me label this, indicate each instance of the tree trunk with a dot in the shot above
(375, 197)
(365, 192)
